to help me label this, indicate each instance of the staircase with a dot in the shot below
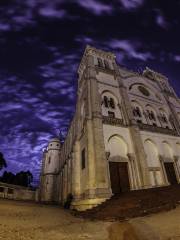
(135, 203)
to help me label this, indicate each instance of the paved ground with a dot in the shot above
(27, 221)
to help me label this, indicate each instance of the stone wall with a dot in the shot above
(9, 191)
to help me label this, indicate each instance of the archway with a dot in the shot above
(169, 163)
(138, 112)
(117, 146)
(152, 115)
(118, 164)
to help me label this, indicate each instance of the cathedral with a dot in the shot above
(124, 136)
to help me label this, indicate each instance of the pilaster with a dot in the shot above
(96, 148)
(135, 172)
(176, 159)
(161, 160)
(76, 166)
(134, 133)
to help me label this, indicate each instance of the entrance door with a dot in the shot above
(124, 178)
(119, 177)
(171, 175)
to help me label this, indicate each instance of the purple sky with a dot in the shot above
(41, 44)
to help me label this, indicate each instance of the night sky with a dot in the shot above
(41, 44)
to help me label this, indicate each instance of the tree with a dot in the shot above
(2, 161)
(23, 178)
(29, 177)
(8, 177)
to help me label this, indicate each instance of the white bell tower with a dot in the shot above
(50, 171)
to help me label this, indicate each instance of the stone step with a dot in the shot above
(135, 203)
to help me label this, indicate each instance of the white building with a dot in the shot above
(125, 135)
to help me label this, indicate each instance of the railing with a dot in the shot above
(119, 122)
(152, 128)
(113, 121)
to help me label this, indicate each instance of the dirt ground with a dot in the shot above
(28, 221)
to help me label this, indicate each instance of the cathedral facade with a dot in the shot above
(125, 135)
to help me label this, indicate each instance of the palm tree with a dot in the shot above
(2, 161)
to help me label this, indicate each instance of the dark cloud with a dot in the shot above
(160, 19)
(130, 5)
(41, 44)
(129, 49)
(96, 7)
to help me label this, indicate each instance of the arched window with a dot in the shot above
(100, 62)
(137, 112)
(117, 146)
(111, 103)
(151, 115)
(106, 64)
(163, 117)
(106, 101)
(134, 112)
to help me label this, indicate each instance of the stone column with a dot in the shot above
(91, 160)
(160, 120)
(131, 174)
(174, 117)
(161, 159)
(135, 173)
(140, 156)
(60, 187)
(146, 117)
(65, 182)
(155, 177)
(76, 166)
(96, 148)
(176, 158)
(68, 176)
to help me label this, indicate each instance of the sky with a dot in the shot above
(41, 45)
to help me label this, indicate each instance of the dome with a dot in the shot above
(54, 144)
(54, 140)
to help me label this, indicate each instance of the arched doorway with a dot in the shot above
(169, 164)
(118, 165)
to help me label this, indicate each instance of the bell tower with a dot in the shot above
(50, 170)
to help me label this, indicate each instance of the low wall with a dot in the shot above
(16, 192)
